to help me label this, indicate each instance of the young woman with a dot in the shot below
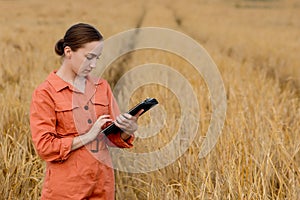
(68, 111)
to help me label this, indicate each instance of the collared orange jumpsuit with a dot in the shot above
(58, 113)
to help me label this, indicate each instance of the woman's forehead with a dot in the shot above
(93, 47)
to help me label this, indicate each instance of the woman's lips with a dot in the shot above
(87, 71)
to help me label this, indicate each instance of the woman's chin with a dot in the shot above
(84, 73)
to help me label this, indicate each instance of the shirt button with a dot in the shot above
(89, 121)
(86, 107)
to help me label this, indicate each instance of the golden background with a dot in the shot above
(255, 45)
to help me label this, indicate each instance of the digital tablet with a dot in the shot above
(146, 105)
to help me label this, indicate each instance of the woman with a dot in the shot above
(68, 112)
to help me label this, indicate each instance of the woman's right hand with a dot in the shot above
(97, 127)
(84, 139)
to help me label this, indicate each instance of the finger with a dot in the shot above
(104, 121)
(122, 127)
(124, 119)
(104, 116)
(139, 113)
(127, 115)
(125, 123)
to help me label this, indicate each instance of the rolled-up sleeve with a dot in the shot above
(48, 144)
(116, 140)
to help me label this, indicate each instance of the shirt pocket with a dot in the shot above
(65, 118)
(101, 106)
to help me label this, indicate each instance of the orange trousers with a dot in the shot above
(81, 176)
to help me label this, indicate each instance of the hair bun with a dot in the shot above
(59, 47)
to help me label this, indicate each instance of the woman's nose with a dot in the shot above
(92, 65)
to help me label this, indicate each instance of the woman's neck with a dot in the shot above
(70, 77)
(66, 74)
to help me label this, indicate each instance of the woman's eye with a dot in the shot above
(92, 56)
(89, 57)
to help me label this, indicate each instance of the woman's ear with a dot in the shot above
(68, 52)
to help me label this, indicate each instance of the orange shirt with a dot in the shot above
(58, 113)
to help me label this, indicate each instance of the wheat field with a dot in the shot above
(254, 43)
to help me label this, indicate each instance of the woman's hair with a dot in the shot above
(76, 36)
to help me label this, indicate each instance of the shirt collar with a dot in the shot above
(59, 84)
(95, 80)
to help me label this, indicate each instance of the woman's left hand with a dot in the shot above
(127, 122)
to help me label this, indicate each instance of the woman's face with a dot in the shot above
(83, 61)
